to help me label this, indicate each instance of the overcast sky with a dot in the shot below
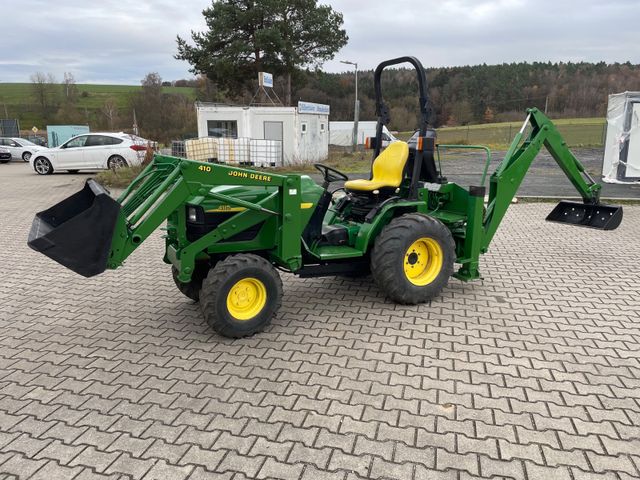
(113, 41)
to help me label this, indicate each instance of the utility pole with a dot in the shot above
(356, 108)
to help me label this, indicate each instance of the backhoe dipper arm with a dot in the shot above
(506, 180)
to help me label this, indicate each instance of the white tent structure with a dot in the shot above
(621, 163)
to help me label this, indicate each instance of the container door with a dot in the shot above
(273, 131)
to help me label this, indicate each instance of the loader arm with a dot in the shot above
(505, 181)
(90, 232)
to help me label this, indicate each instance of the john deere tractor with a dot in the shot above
(229, 230)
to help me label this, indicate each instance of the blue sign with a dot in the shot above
(317, 108)
(266, 79)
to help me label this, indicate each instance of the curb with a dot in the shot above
(551, 199)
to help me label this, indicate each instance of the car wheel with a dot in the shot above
(42, 166)
(116, 162)
(26, 156)
(4, 161)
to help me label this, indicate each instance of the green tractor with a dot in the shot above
(230, 229)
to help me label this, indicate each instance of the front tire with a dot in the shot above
(413, 258)
(115, 162)
(241, 295)
(26, 156)
(191, 289)
(42, 166)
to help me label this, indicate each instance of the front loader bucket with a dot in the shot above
(77, 232)
(602, 217)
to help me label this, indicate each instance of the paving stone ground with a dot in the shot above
(532, 373)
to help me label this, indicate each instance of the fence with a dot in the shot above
(579, 134)
(239, 151)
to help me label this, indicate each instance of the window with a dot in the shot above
(97, 141)
(76, 142)
(303, 127)
(222, 128)
(322, 128)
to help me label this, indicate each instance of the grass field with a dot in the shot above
(578, 132)
(18, 102)
(95, 96)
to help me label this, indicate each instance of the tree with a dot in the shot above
(309, 35)
(69, 88)
(162, 116)
(245, 37)
(488, 116)
(110, 110)
(43, 89)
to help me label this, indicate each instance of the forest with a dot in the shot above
(476, 94)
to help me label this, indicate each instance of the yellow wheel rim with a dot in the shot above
(246, 298)
(423, 261)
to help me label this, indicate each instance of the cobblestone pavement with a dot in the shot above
(533, 373)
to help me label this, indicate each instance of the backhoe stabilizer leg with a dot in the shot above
(470, 269)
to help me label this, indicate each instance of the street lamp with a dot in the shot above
(356, 109)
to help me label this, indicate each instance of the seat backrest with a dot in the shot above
(388, 167)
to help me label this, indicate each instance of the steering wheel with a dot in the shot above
(330, 174)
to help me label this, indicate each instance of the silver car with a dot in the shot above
(20, 148)
(5, 155)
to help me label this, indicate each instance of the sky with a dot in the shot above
(118, 42)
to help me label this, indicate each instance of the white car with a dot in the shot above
(91, 151)
(20, 148)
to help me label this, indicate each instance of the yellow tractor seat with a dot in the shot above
(388, 168)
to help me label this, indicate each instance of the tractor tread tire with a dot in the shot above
(215, 288)
(191, 289)
(389, 251)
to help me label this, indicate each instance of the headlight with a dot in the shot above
(192, 214)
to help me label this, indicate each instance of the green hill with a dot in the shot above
(18, 100)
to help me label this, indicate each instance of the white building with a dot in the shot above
(303, 130)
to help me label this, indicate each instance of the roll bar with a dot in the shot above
(382, 111)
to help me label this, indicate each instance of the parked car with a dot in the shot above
(20, 148)
(91, 151)
(5, 155)
(37, 139)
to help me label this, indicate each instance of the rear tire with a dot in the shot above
(115, 162)
(241, 295)
(26, 156)
(191, 289)
(42, 166)
(413, 258)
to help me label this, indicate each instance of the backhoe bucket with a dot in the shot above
(77, 232)
(602, 217)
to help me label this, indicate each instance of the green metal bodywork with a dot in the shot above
(280, 207)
